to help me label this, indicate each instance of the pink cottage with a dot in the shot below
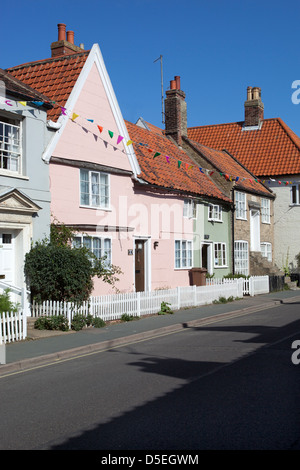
(101, 185)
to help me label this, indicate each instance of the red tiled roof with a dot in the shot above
(54, 77)
(159, 172)
(228, 165)
(18, 88)
(272, 150)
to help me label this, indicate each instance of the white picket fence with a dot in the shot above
(13, 326)
(112, 307)
(253, 285)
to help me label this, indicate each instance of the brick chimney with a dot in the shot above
(175, 111)
(64, 46)
(254, 108)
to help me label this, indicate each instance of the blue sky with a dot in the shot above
(218, 48)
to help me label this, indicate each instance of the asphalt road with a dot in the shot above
(225, 385)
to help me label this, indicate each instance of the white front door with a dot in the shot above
(7, 256)
(254, 230)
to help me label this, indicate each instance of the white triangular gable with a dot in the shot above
(94, 59)
(14, 201)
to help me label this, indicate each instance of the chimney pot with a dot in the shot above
(173, 85)
(249, 93)
(256, 93)
(177, 80)
(70, 36)
(61, 31)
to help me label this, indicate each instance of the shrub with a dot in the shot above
(58, 273)
(97, 322)
(164, 308)
(53, 322)
(127, 317)
(78, 322)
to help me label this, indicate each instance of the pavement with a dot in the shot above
(48, 347)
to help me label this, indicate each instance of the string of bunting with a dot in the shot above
(180, 163)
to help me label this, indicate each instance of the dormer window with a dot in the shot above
(10, 145)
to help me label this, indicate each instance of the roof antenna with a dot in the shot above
(162, 88)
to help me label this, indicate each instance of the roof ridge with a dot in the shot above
(290, 133)
(228, 123)
(45, 61)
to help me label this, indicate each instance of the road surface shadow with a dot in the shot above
(250, 403)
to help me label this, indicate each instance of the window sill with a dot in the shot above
(12, 174)
(106, 209)
(215, 220)
(183, 269)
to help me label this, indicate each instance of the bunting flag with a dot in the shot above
(180, 164)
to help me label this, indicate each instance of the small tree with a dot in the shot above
(55, 270)
(6, 305)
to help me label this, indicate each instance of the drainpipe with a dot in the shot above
(232, 235)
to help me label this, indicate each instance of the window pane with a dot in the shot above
(87, 242)
(104, 187)
(84, 188)
(77, 242)
(183, 254)
(95, 189)
(97, 247)
(107, 250)
(177, 253)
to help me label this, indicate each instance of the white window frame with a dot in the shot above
(215, 213)
(266, 250)
(91, 194)
(265, 211)
(190, 208)
(96, 245)
(220, 255)
(183, 254)
(295, 195)
(241, 257)
(240, 205)
(10, 146)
